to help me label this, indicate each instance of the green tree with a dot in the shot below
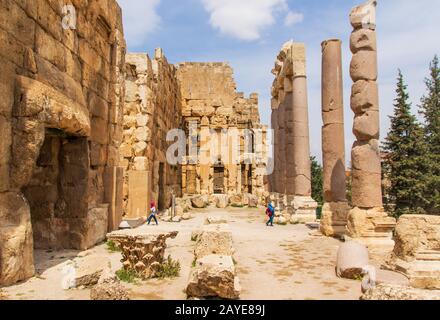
(430, 109)
(317, 181)
(405, 164)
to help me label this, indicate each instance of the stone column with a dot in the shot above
(367, 221)
(304, 207)
(335, 209)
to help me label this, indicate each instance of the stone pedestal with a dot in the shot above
(334, 219)
(304, 210)
(367, 221)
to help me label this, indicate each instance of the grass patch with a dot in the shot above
(237, 206)
(112, 246)
(127, 276)
(194, 263)
(168, 269)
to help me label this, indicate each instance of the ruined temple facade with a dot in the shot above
(224, 150)
(62, 92)
(228, 132)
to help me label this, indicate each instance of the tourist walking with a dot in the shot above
(270, 212)
(153, 212)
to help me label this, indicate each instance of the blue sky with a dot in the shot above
(249, 34)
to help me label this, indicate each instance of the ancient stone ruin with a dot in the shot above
(335, 209)
(367, 221)
(232, 142)
(142, 253)
(152, 108)
(213, 274)
(61, 126)
(417, 250)
(290, 184)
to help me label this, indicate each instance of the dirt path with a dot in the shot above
(283, 262)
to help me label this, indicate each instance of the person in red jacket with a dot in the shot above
(153, 212)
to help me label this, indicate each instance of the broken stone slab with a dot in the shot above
(142, 253)
(214, 276)
(88, 270)
(109, 288)
(399, 293)
(351, 260)
(132, 222)
(216, 220)
(214, 239)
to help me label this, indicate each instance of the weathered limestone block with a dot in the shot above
(214, 239)
(351, 260)
(108, 288)
(304, 210)
(364, 15)
(216, 220)
(399, 293)
(200, 202)
(237, 200)
(16, 254)
(334, 218)
(371, 226)
(214, 276)
(366, 126)
(363, 39)
(90, 271)
(364, 66)
(364, 97)
(417, 250)
(142, 253)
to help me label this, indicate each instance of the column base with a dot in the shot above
(334, 219)
(304, 210)
(371, 226)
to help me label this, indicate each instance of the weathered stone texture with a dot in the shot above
(62, 94)
(141, 253)
(290, 121)
(152, 108)
(233, 147)
(417, 250)
(367, 221)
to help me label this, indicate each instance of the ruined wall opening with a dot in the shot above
(57, 189)
(219, 179)
(162, 205)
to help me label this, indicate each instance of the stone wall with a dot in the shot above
(152, 109)
(60, 113)
(228, 162)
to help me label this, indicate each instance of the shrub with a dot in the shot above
(128, 276)
(112, 246)
(168, 269)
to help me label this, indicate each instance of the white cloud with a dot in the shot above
(140, 19)
(243, 19)
(293, 18)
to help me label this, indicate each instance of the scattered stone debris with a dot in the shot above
(395, 292)
(108, 288)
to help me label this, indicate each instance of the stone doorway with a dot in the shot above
(219, 180)
(57, 190)
(162, 196)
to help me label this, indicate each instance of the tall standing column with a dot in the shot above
(304, 206)
(367, 221)
(336, 208)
